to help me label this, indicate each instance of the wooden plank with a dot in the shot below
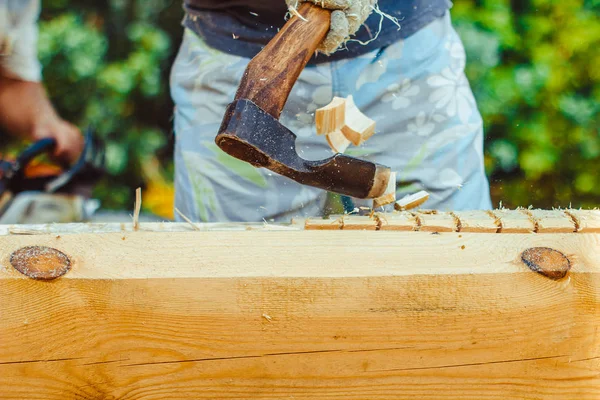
(397, 221)
(513, 221)
(436, 221)
(587, 221)
(310, 315)
(476, 221)
(552, 221)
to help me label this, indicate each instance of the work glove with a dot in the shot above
(346, 19)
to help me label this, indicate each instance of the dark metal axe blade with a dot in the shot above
(252, 132)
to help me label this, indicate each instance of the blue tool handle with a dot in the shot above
(43, 146)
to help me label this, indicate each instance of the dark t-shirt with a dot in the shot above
(244, 27)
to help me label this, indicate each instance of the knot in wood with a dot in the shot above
(547, 262)
(40, 262)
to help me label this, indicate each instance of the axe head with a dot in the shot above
(253, 135)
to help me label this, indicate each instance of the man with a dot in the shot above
(410, 80)
(25, 110)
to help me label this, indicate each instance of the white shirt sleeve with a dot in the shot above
(18, 39)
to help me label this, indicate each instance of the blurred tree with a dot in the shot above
(533, 66)
(107, 64)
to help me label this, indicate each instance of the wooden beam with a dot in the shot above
(303, 314)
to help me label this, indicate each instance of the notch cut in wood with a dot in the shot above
(332, 117)
(412, 201)
(478, 221)
(547, 221)
(337, 141)
(513, 221)
(321, 224)
(390, 193)
(358, 222)
(436, 221)
(586, 221)
(397, 221)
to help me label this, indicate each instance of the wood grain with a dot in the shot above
(476, 221)
(303, 315)
(547, 221)
(436, 221)
(587, 221)
(513, 221)
(270, 76)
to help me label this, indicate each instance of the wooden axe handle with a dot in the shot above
(270, 75)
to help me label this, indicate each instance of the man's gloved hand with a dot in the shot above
(347, 17)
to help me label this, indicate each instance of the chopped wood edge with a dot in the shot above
(358, 128)
(332, 117)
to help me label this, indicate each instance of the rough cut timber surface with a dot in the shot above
(513, 221)
(476, 221)
(436, 221)
(241, 314)
(398, 221)
(587, 221)
(552, 221)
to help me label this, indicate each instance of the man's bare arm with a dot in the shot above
(26, 112)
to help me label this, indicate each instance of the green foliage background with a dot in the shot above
(534, 66)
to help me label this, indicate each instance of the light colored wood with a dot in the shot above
(554, 221)
(397, 221)
(359, 223)
(137, 209)
(476, 221)
(321, 224)
(338, 142)
(588, 221)
(331, 118)
(412, 201)
(513, 221)
(389, 196)
(358, 127)
(436, 221)
(304, 315)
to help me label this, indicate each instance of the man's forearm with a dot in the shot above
(22, 106)
(26, 112)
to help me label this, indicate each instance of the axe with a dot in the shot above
(251, 130)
